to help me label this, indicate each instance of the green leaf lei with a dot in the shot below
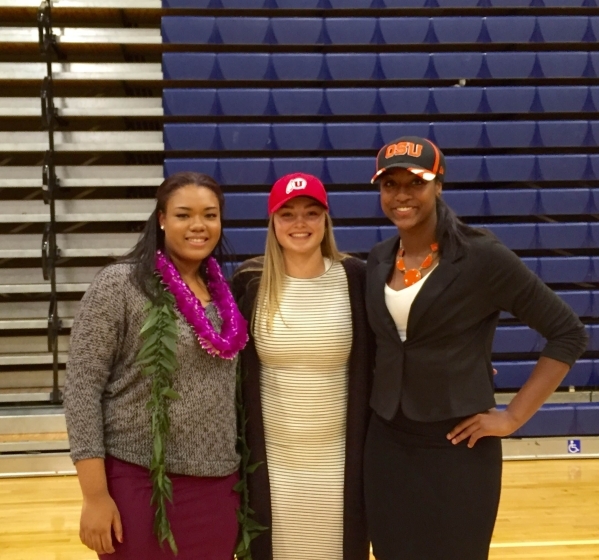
(249, 529)
(158, 360)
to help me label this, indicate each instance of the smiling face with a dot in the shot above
(409, 201)
(300, 225)
(191, 223)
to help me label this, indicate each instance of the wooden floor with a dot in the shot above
(549, 509)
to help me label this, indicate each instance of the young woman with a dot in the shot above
(307, 379)
(150, 389)
(435, 291)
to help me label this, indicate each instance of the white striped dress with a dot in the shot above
(303, 378)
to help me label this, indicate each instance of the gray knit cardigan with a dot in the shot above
(106, 394)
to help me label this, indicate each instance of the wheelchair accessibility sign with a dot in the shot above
(574, 446)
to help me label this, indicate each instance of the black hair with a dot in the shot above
(452, 234)
(143, 255)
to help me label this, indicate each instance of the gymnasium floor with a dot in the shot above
(549, 510)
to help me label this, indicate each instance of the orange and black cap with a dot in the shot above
(416, 154)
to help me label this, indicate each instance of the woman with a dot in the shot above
(150, 388)
(435, 291)
(307, 379)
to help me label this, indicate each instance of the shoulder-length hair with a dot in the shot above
(143, 255)
(268, 300)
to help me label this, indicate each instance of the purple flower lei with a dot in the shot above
(233, 335)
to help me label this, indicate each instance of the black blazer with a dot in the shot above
(443, 370)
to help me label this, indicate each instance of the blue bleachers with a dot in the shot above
(370, 101)
(473, 169)
(372, 66)
(358, 30)
(344, 4)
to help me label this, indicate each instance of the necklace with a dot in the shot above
(412, 275)
(233, 335)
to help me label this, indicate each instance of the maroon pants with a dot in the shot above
(202, 515)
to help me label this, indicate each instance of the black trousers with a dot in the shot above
(427, 499)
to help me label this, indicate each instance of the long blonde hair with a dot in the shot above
(268, 299)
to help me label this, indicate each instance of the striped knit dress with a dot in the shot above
(304, 383)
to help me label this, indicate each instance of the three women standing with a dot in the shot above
(434, 295)
(307, 381)
(150, 389)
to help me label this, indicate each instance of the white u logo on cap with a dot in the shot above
(297, 184)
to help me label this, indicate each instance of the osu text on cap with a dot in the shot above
(402, 149)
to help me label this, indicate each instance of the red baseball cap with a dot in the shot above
(293, 185)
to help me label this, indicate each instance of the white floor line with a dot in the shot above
(532, 544)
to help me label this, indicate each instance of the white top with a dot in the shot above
(303, 384)
(400, 302)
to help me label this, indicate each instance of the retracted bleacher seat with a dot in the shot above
(350, 170)
(247, 241)
(458, 65)
(587, 419)
(352, 66)
(355, 204)
(594, 126)
(246, 206)
(391, 130)
(563, 64)
(338, 4)
(516, 236)
(298, 31)
(510, 64)
(560, 29)
(352, 101)
(299, 101)
(352, 30)
(299, 136)
(404, 3)
(510, 99)
(458, 3)
(457, 134)
(510, 29)
(510, 339)
(404, 66)
(566, 167)
(294, 66)
(464, 169)
(510, 3)
(516, 134)
(466, 202)
(402, 31)
(563, 133)
(512, 375)
(243, 66)
(566, 201)
(244, 171)
(242, 30)
(517, 202)
(246, 136)
(555, 99)
(298, 4)
(358, 239)
(207, 166)
(565, 3)
(186, 29)
(580, 301)
(551, 420)
(457, 99)
(183, 136)
(564, 236)
(353, 136)
(244, 102)
(188, 66)
(189, 101)
(464, 29)
(313, 166)
(565, 269)
(409, 101)
(236, 4)
(510, 168)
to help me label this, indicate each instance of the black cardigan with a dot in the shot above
(443, 370)
(355, 540)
